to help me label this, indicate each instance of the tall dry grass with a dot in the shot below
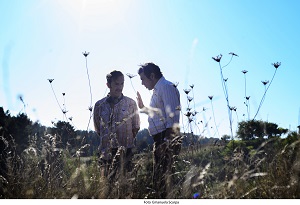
(270, 171)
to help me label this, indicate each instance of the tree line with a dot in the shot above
(24, 132)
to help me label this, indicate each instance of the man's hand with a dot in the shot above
(139, 100)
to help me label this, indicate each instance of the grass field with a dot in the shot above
(234, 170)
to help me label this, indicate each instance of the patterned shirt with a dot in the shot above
(115, 124)
(164, 108)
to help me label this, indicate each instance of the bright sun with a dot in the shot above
(103, 13)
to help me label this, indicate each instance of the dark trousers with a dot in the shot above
(121, 162)
(162, 164)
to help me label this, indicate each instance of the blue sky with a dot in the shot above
(45, 39)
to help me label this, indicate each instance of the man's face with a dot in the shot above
(148, 83)
(116, 86)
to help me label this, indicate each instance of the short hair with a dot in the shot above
(113, 76)
(149, 68)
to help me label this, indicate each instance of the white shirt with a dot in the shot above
(164, 108)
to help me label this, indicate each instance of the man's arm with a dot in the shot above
(171, 99)
(96, 119)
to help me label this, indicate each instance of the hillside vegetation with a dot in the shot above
(40, 163)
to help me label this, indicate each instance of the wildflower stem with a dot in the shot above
(212, 107)
(228, 62)
(91, 97)
(89, 121)
(225, 90)
(87, 71)
(264, 95)
(55, 97)
(132, 85)
(247, 100)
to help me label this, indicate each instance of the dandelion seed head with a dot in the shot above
(188, 114)
(130, 75)
(217, 58)
(233, 54)
(233, 108)
(21, 98)
(175, 84)
(86, 54)
(276, 65)
(50, 80)
(187, 91)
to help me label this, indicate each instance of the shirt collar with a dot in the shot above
(159, 83)
(113, 100)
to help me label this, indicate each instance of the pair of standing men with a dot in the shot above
(116, 120)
